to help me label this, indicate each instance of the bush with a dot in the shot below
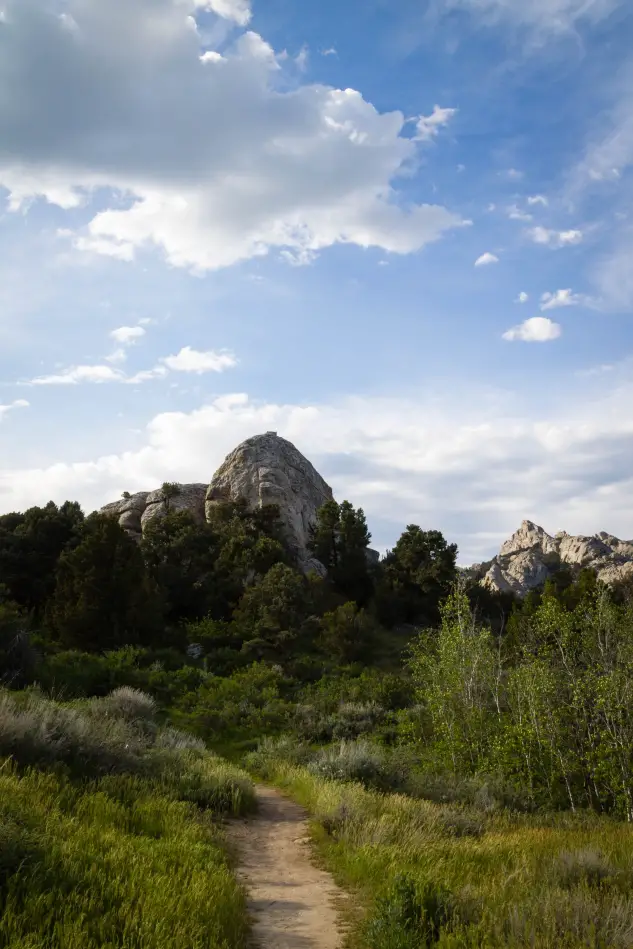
(409, 918)
(353, 761)
(129, 705)
(41, 733)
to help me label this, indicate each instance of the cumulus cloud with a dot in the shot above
(472, 467)
(523, 297)
(222, 161)
(554, 239)
(486, 259)
(17, 404)
(538, 329)
(237, 10)
(538, 199)
(127, 334)
(551, 301)
(191, 360)
(428, 126)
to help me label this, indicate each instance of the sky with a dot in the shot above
(397, 232)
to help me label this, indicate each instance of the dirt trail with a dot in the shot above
(291, 901)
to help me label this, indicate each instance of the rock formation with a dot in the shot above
(268, 469)
(532, 555)
(265, 469)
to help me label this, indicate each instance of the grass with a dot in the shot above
(125, 853)
(449, 876)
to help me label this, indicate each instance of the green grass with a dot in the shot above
(126, 854)
(456, 877)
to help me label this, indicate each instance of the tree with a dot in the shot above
(103, 598)
(170, 490)
(181, 557)
(348, 633)
(456, 678)
(415, 577)
(30, 547)
(272, 613)
(339, 540)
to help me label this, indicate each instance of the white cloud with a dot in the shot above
(551, 301)
(538, 329)
(187, 360)
(329, 52)
(77, 374)
(237, 166)
(428, 126)
(127, 334)
(486, 259)
(554, 239)
(538, 199)
(17, 404)
(237, 10)
(514, 174)
(543, 18)
(471, 466)
(191, 360)
(517, 214)
(523, 297)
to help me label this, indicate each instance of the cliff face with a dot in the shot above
(265, 469)
(531, 555)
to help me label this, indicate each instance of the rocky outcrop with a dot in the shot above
(268, 469)
(531, 555)
(265, 469)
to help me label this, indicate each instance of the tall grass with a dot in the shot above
(107, 830)
(447, 875)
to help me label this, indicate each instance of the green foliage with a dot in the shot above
(415, 577)
(348, 633)
(30, 547)
(339, 541)
(249, 703)
(103, 598)
(129, 858)
(169, 491)
(273, 613)
(549, 710)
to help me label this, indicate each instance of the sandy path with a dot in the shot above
(290, 900)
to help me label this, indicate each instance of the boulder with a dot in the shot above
(267, 469)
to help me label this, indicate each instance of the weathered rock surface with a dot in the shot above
(190, 498)
(268, 469)
(265, 469)
(531, 555)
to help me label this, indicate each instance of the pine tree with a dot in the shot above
(103, 599)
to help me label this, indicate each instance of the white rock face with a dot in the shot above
(528, 536)
(265, 469)
(190, 498)
(531, 555)
(268, 469)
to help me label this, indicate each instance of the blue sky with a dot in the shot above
(400, 234)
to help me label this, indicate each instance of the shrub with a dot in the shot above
(172, 739)
(407, 917)
(352, 761)
(130, 705)
(41, 733)
(584, 866)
